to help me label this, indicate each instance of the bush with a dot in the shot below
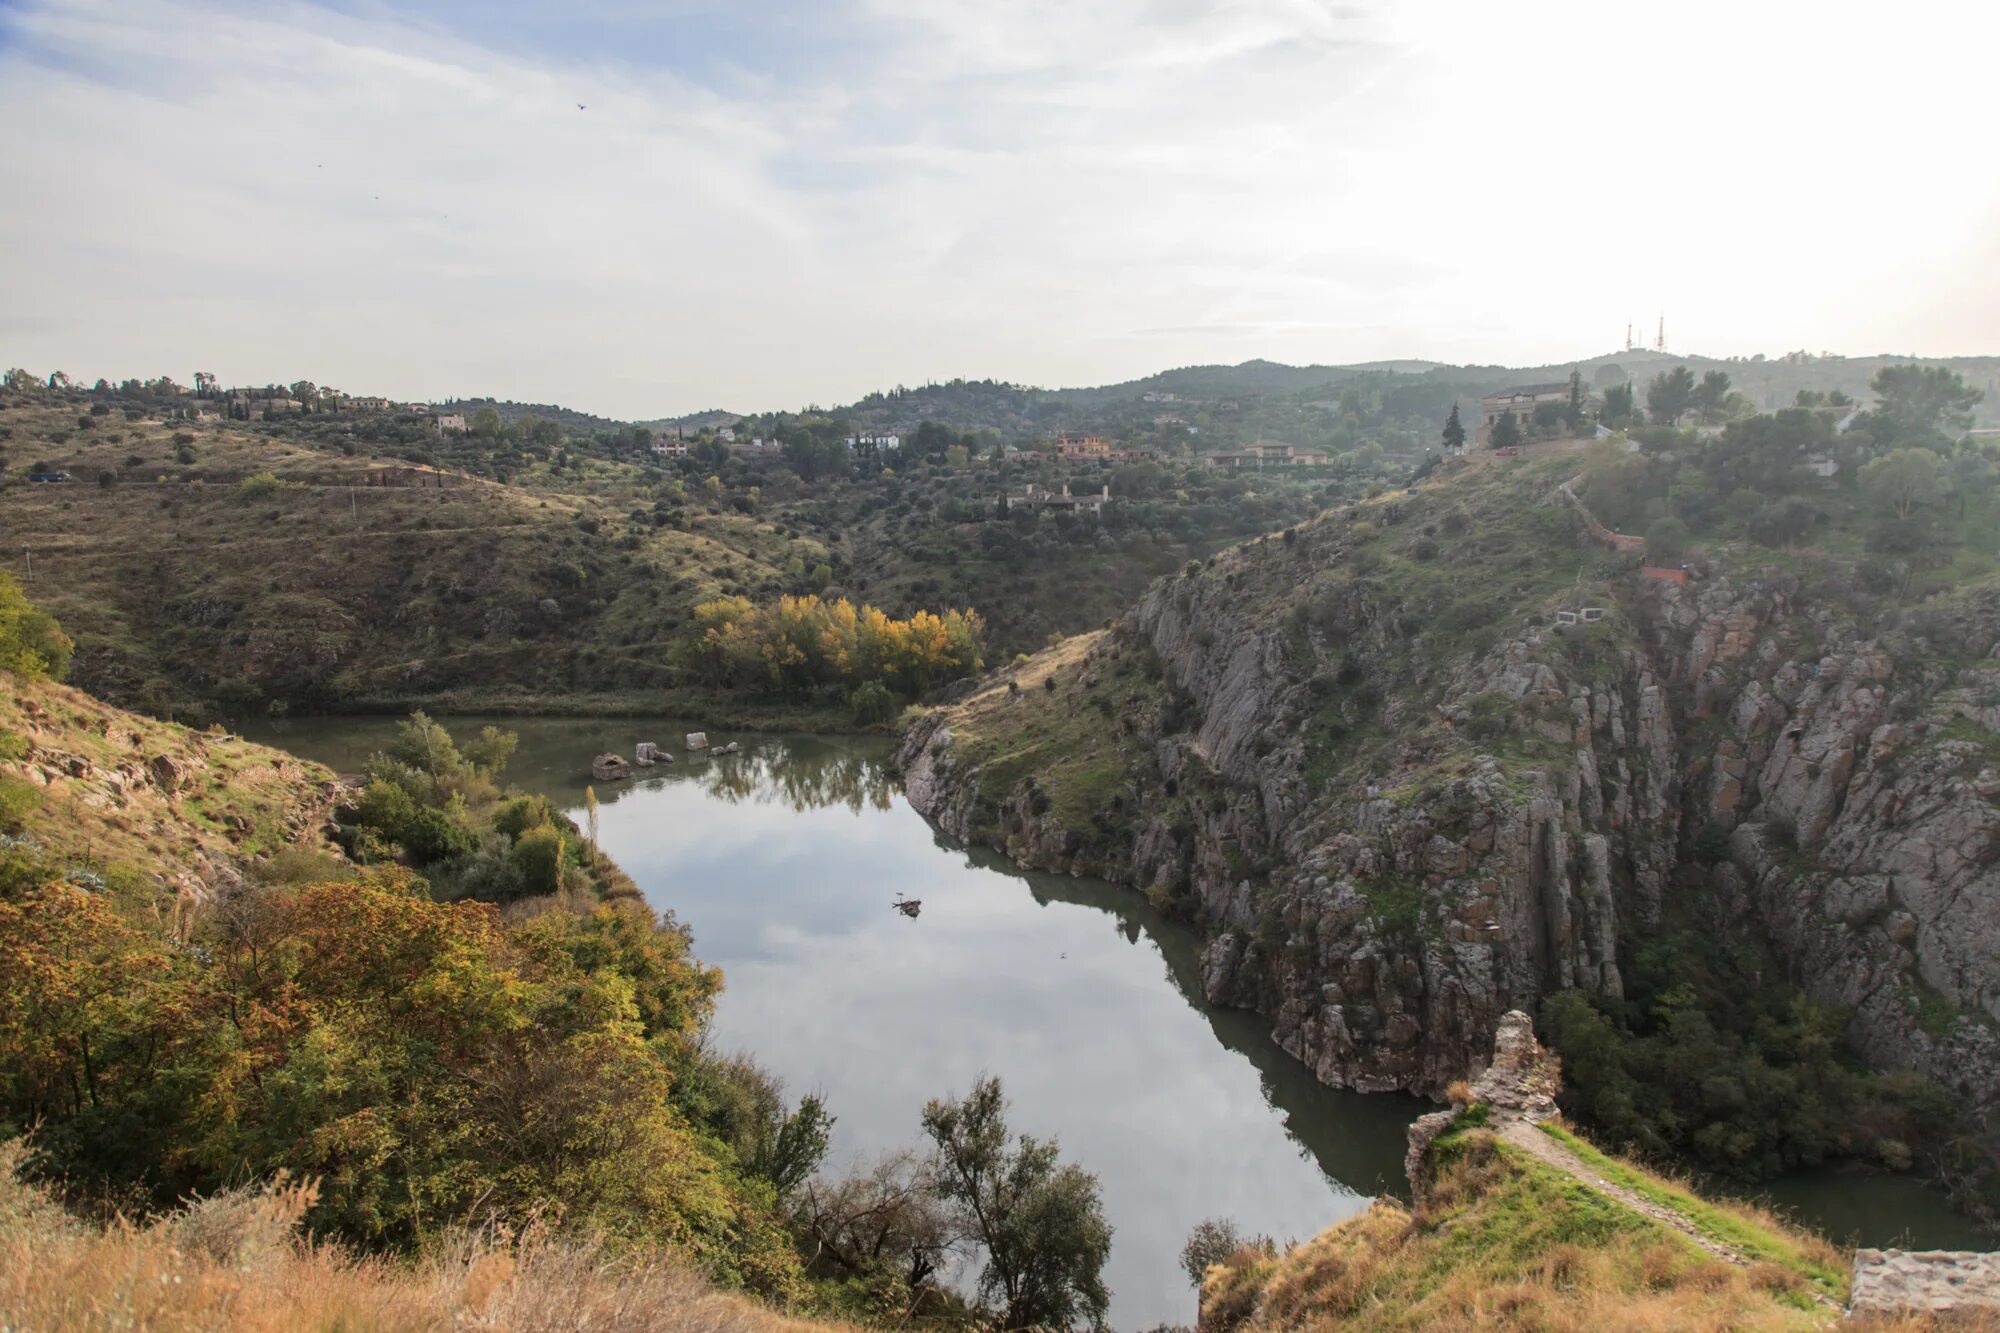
(31, 642)
(1666, 541)
(871, 702)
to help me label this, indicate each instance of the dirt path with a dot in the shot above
(1524, 1135)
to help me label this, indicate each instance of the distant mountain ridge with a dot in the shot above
(967, 404)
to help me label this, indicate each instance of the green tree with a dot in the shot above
(1620, 406)
(31, 642)
(1506, 432)
(1454, 431)
(1670, 395)
(486, 423)
(1765, 454)
(1666, 540)
(1913, 401)
(1039, 1221)
(1711, 395)
(1903, 480)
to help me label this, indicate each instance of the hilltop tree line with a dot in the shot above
(1915, 404)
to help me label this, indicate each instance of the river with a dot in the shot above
(785, 860)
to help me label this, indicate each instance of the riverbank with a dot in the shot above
(722, 712)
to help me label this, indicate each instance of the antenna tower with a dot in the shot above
(1660, 342)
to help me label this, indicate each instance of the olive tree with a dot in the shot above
(1039, 1221)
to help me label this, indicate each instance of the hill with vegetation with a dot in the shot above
(341, 560)
(1725, 814)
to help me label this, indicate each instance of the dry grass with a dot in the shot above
(1505, 1243)
(236, 1262)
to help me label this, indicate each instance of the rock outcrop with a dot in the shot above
(1394, 833)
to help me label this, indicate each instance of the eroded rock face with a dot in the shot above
(1729, 739)
(1857, 783)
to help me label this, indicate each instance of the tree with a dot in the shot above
(1670, 395)
(31, 642)
(1620, 406)
(1711, 394)
(1506, 432)
(1913, 401)
(486, 423)
(1765, 454)
(1904, 480)
(1666, 540)
(1213, 1241)
(204, 384)
(1454, 431)
(1040, 1222)
(1783, 521)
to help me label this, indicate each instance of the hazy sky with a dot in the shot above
(771, 202)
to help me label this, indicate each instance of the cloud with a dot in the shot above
(771, 203)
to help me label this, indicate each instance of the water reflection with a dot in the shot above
(786, 861)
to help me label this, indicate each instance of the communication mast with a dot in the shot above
(1660, 343)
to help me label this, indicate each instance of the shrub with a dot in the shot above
(31, 642)
(871, 702)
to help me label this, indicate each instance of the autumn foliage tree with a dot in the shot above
(798, 645)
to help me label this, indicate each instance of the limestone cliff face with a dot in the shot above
(1392, 843)
(1859, 780)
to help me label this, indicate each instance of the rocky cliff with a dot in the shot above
(1403, 793)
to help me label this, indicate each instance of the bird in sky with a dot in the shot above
(579, 106)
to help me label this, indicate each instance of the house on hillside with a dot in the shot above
(1083, 446)
(670, 447)
(452, 421)
(368, 404)
(1521, 400)
(1038, 498)
(881, 440)
(1267, 453)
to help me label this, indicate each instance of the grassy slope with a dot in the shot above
(1506, 1241)
(100, 804)
(177, 591)
(235, 1261)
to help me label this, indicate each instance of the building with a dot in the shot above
(1268, 453)
(1038, 499)
(452, 421)
(1521, 400)
(673, 447)
(368, 404)
(1083, 446)
(885, 440)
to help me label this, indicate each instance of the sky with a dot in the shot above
(643, 209)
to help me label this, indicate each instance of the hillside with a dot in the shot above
(214, 569)
(1726, 819)
(124, 796)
